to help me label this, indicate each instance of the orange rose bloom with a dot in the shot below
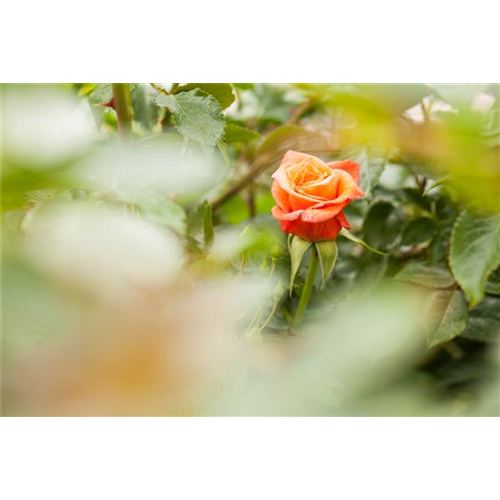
(311, 195)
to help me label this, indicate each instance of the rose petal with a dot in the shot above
(281, 196)
(348, 166)
(280, 215)
(294, 157)
(343, 221)
(321, 214)
(323, 231)
(297, 201)
(350, 191)
(289, 176)
(325, 188)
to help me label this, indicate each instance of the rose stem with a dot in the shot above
(308, 286)
(123, 103)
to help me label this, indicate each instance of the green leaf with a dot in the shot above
(223, 92)
(347, 234)
(493, 288)
(145, 112)
(415, 196)
(371, 169)
(382, 224)
(484, 321)
(200, 232)
(197, 116)
(445, 316)
(102, 94)
(419, 231)
(475, 252)
(427, 275)
(327, 251)
(493, 283)
(298, 248)
(237, 133)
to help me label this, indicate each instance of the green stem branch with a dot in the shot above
(308, 286)
(123, 106)
(159, 89)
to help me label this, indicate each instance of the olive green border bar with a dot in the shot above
(252, 424)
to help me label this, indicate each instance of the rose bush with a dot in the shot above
(210, 309)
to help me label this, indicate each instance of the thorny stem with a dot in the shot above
(123, 106)
(308, 286)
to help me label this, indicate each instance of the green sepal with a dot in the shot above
(327, 252)
(298, 248)
(347, 234)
